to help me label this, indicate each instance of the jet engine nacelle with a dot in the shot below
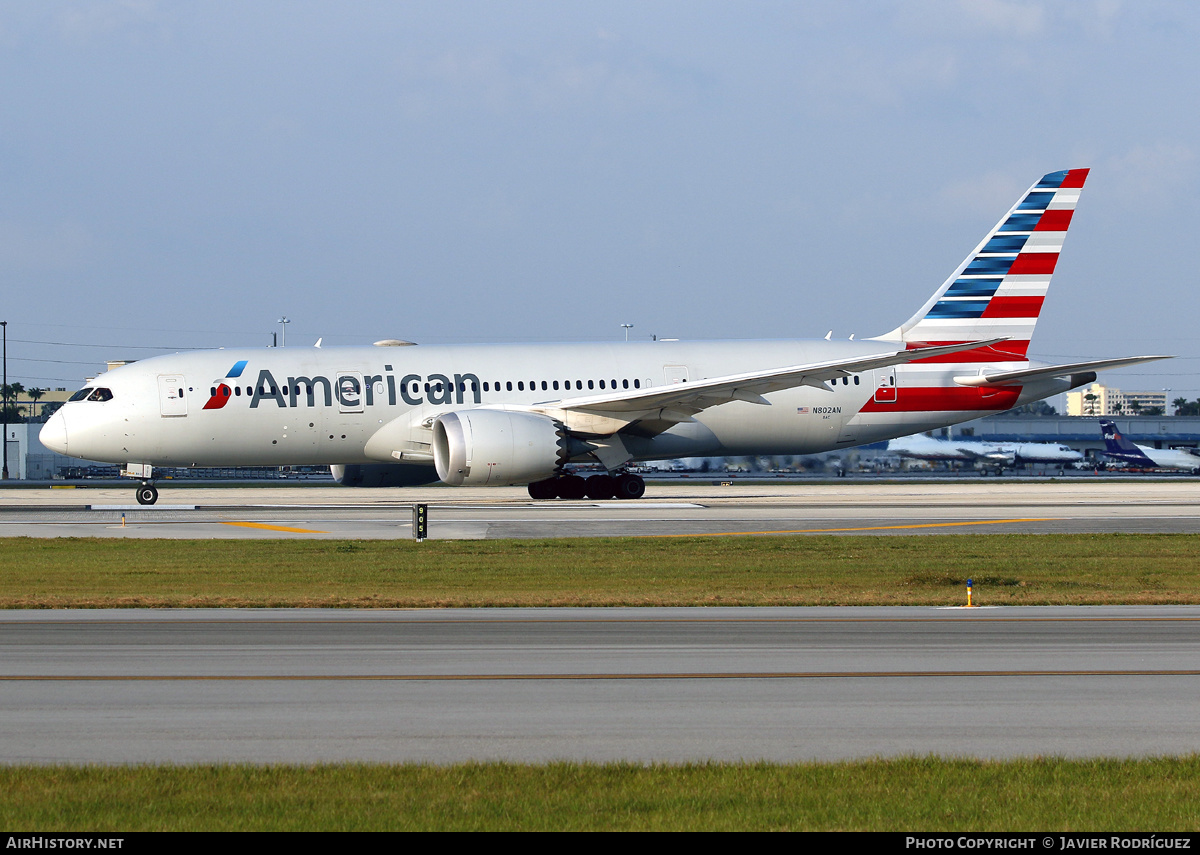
(383, 475)
(486, 447)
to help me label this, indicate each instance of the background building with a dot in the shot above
(1100, 400)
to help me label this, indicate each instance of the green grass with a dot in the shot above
(1008, 569)
(892, 795)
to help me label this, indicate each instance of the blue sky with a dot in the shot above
(178, 175)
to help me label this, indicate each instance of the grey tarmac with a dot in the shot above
(714, 508)
(640, 685)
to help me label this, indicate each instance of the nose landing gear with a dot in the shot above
(147, 494)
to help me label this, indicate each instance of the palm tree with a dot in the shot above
(10, 393)
(34, 394)
(1179, 404)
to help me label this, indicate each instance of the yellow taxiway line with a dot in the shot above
(865, 528)
(273, 527)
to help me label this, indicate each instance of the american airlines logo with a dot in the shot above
(351, 389)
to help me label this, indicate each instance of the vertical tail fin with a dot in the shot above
(999, 288)
(1116, 444)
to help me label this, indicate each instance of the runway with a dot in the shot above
(637, 685)
(1075, 505)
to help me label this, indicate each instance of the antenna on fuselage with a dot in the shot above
(318, 344)
(829, 335)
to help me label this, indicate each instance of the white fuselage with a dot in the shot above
(376, 404)
(1170, 458)
(921, 447)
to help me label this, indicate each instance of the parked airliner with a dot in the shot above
(1118, 447)
(393, 415)
(984, 453)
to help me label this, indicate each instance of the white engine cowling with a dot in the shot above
(486, 447)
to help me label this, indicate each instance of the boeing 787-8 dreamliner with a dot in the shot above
(388, 415)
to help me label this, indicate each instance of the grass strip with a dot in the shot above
(925, 794)
(1008, 569)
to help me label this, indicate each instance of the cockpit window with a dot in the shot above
(100, 394)
(81, 394)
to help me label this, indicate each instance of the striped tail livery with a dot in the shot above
(994, 298)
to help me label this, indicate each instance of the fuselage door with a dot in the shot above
(171, 399)
(350, 392)
(885, 385)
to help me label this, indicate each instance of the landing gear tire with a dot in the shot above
(571, 487)
(547, 489)
(601, 487)
(147, 494)
(630, 486)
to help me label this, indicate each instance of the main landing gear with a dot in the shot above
(147, 494)
(599, 487)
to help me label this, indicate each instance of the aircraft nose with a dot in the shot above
(54, 433)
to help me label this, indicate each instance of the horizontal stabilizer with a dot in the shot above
(1047, 371)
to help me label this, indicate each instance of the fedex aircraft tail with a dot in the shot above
(999, 288)
(1118, 446)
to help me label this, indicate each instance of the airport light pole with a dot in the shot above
(628, 327)
(283, 322)
(4, 438)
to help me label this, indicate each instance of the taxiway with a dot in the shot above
(711, 508)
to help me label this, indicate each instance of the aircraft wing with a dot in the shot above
(678, 402)
(1047, 371)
